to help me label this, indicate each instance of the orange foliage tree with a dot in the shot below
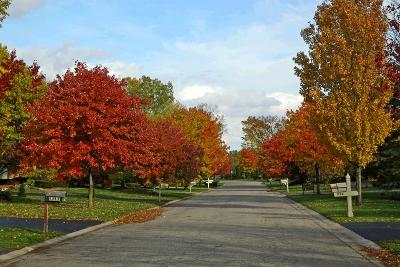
(204, 130)
(248, 160)
(308, 150)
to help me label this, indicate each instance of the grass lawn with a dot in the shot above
(167, 193)
(377, 205)
(15, 238)
(75, 208)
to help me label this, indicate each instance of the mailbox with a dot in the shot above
(344, 190)
(55, 197)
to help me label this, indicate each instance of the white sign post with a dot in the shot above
(344, 190)
(208, 182)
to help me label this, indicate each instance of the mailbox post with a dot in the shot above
(344, 190)
(286, 183)
(349, 197)
(191, 185)
(46, 218)
(51, 197)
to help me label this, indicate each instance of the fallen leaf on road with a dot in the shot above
(388, 258)
(140, 216)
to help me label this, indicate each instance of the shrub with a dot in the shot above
(49, 183)
(22, 190)
(132, 185)
(30, 182)
(6, 195)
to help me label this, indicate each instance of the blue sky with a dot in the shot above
(236, 55)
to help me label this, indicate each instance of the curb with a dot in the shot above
(6, 258)
(348, 237)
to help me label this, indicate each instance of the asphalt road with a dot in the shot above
(238, 225)
(376, 231)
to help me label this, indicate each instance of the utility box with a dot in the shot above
(55, 197)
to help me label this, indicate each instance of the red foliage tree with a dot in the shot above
(274, 156)
(176, 160)
(308, 150)
(393, 55)
(84, 124)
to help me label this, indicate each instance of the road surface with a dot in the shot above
(239, 224)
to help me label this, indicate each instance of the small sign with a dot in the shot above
(55, 196)
(345, 194)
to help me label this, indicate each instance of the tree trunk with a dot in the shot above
(159, 194)
(123, 184)
(317, 178)
(358, 174)
(91, 190)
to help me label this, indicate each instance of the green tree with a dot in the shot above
(344, 81)
(386, 167)
(20, 85)
(160, 95)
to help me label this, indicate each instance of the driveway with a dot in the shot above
(238, 225)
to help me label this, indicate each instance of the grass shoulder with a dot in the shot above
(378, 205)
(109, 204)
(15, 238)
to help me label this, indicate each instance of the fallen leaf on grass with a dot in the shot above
(139, 216)
(388, 258)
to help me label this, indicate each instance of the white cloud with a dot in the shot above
(247, 71)
(286, 102)
(236, 105)
(194, 92)
(57, 60)
(122, 69)
(19, 8)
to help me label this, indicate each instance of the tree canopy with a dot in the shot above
(341, 77)
(160, 95)
(258, 129)
(85, 123)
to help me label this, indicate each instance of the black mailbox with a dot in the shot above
(55, 196)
